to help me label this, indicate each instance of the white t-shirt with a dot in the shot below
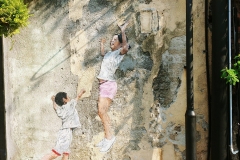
(69, 115)
(109, 65)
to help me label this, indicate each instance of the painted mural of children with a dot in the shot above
(108, 86)
(66, 111)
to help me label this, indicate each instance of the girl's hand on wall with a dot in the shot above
(102, 41)
(123, 27)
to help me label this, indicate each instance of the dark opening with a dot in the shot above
(2, 108)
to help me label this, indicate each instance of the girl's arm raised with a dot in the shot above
(102, 42)
(124, 38)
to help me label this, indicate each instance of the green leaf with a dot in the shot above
(14, 14)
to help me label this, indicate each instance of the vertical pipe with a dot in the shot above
(2, 107)
(219, 107)
(230, 66)
(190, 118)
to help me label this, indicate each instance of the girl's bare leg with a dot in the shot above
(103, 106)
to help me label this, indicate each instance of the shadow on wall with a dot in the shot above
(47, 11)
(137, 128)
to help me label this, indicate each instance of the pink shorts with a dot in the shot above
(108, 89)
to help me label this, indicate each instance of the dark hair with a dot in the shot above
(120, 39)
(59, 98)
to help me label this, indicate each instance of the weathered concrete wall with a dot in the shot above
(59, 51)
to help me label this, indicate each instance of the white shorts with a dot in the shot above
(63, 141)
